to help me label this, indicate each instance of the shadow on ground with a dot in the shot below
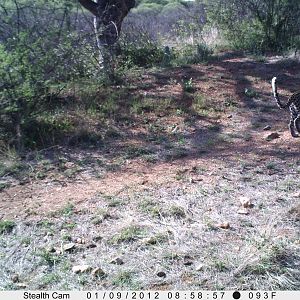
(213, 111)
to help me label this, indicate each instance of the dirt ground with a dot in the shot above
(178, 176)
(226, 79)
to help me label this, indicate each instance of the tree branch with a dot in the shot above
(90, 6)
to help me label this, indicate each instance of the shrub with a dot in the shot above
(146, 55)
(22, 88)
(139, 50)
(192, 54)
(30, 70)
(6, 226)
(259, 26)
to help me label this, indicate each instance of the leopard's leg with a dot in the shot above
(292, 129)
(292, 122)
(297, 124)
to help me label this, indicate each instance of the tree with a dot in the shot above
(110, 15)
(108, 19)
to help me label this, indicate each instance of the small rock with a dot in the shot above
(117, 261)
(161, 274)
(80, 241)
(245, 201)
(50, 249)
(268, 127)
(98, 272)
(91, 245)
(149, 241)
(68, 247)
(21, 285)
(243, 211)
(199, 267)
(191, 180)
(97, 238)
(295, 211)
(15, 278)
(58, 251)
(81, 269)
(224, 225)
(187, 260)
(272, 136)
(296, 195)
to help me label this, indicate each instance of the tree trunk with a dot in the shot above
(100, 57)
(105, 58)
(19, 135)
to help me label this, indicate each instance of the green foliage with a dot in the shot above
(36, 58)
(126, 279)
(29, 69)
(153, 5)
(46, 129)
(188, 85)
(12, 167)
(127, 234)
(21, 86)
(187, 29)
(6, 226)
(295, 44)
(248, 35)
(19, 77)
(149, 7)
(48, 258)
(257, 25)
(192, 54)
(146, 54)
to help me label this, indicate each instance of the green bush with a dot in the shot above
(32, 70)
(6, 226)
(247, 35)
(144, 53)
(192, 54)
(295, 44)
(22, 88)
(146, 56)
(257, 26)
(45, 129)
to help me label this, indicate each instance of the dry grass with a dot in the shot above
(258, 251)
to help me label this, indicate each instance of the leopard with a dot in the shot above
(293, 104)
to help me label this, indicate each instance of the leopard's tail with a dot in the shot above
(276, 96)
